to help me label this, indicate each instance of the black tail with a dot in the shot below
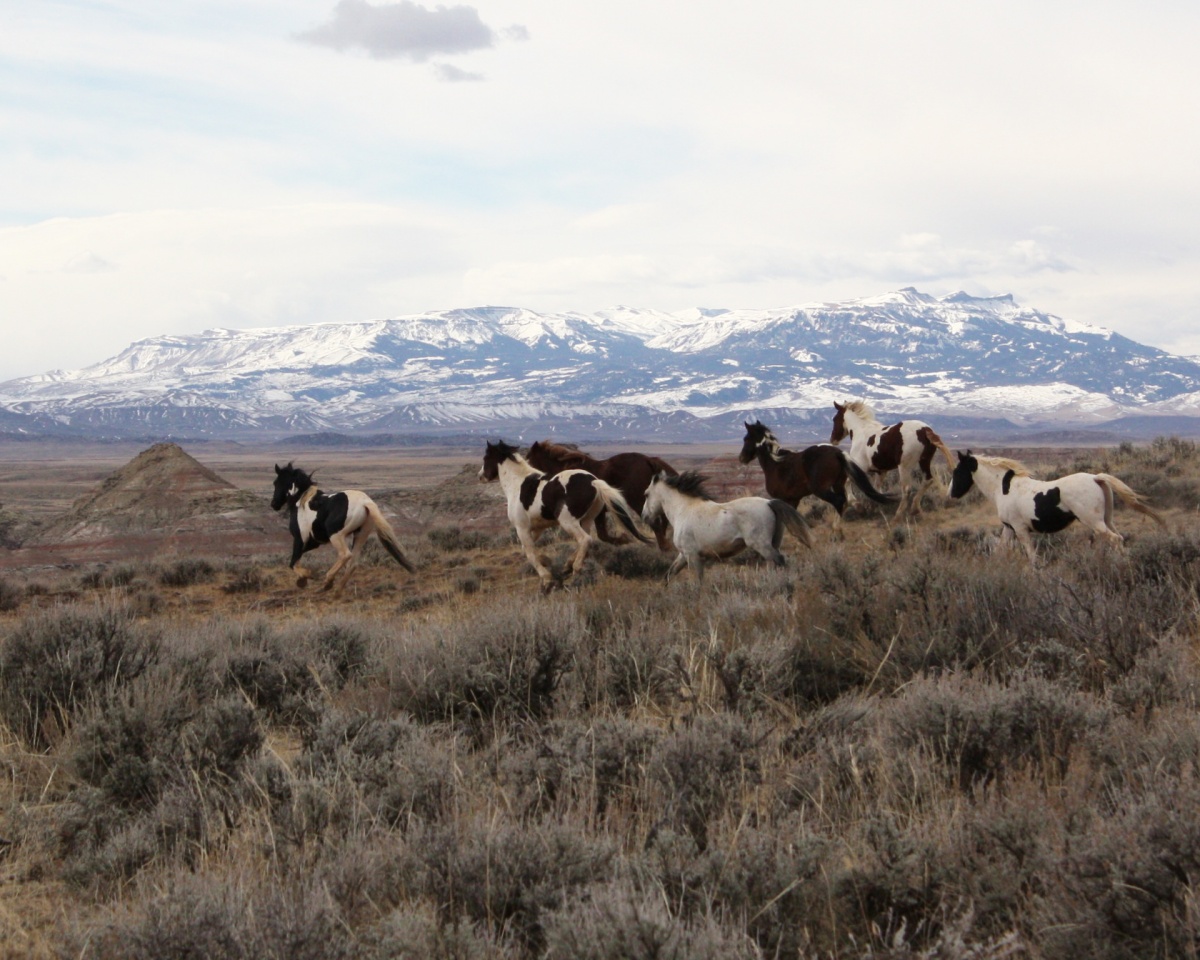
(613, 500)
(863, 482)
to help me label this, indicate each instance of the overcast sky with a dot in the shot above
(167, 167)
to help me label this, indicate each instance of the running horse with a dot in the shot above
(820, 471)
(1027, 506)
(907, 447)
(702, 528)
(571, 500)
(343, 519)
(630, 473)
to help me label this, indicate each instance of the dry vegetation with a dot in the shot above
(906, 744)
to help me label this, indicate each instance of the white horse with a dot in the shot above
(701, 528)
(571, 499)
(1027, 505)
(907, 447)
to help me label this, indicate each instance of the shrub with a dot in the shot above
(700, 768)
(452, 539)
(187, 572)
(506, 876)
(499, 665)
(231, 918)
(618, 923)
(10, 596)
(52, 663)
(987, 729)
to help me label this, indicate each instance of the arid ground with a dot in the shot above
(909, 742)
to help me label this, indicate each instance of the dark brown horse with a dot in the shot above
(630, 473)
(819, 471)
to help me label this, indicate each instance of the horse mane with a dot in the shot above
(562, 453)
(690, 483)
(861, 409)
(774, 448)
(1004, 463)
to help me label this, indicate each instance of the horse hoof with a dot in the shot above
(302, 582)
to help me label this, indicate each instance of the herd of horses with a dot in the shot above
(552, 485)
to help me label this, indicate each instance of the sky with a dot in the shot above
(167, 168)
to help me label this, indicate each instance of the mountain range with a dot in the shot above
(619, 374)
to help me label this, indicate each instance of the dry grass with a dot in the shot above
(907, 744)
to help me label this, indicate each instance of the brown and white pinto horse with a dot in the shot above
(907, 447)
(820, 471)
(630, 473)
(571, 500)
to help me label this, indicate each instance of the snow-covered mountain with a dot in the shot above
(618, 373)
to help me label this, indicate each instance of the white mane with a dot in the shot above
(861, 409)
(1004, 463)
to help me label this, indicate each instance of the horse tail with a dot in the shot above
(862, 481)
(616, 502)
(940, 444)
(387, 536)
(1126, 493)
(787, 517)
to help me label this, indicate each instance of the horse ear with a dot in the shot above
(963, 456)
(277, 470)
(841, 407)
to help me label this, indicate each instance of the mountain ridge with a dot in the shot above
(690, 372)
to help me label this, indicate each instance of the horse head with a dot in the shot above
(495, 454)
(290, 482)
(652, 509)
(964, 475)
(755, 434)
(839, 423)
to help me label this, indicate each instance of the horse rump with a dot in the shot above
(1135, 500)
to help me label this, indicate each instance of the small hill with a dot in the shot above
(163, 501)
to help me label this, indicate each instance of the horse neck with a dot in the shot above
(858, 424)
(671, 501)
(767, 457)
(987, 479)
(513, 471)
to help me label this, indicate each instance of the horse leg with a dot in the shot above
(531, 554)
(302, 573)
(338, 541)
(922, 485)
(576, 528)
(661, 527)
(1025, 538)
(680, 560)
(906, 505)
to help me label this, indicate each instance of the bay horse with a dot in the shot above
(343, 519)
(571, 500)
(702, 528)
(1027, 506)
(820, 471)
(630, 473)
(907, 447)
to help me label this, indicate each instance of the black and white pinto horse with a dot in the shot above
(1027, 506)
(907, 447)
(343, 519)
(571, 499)
(702, 528)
